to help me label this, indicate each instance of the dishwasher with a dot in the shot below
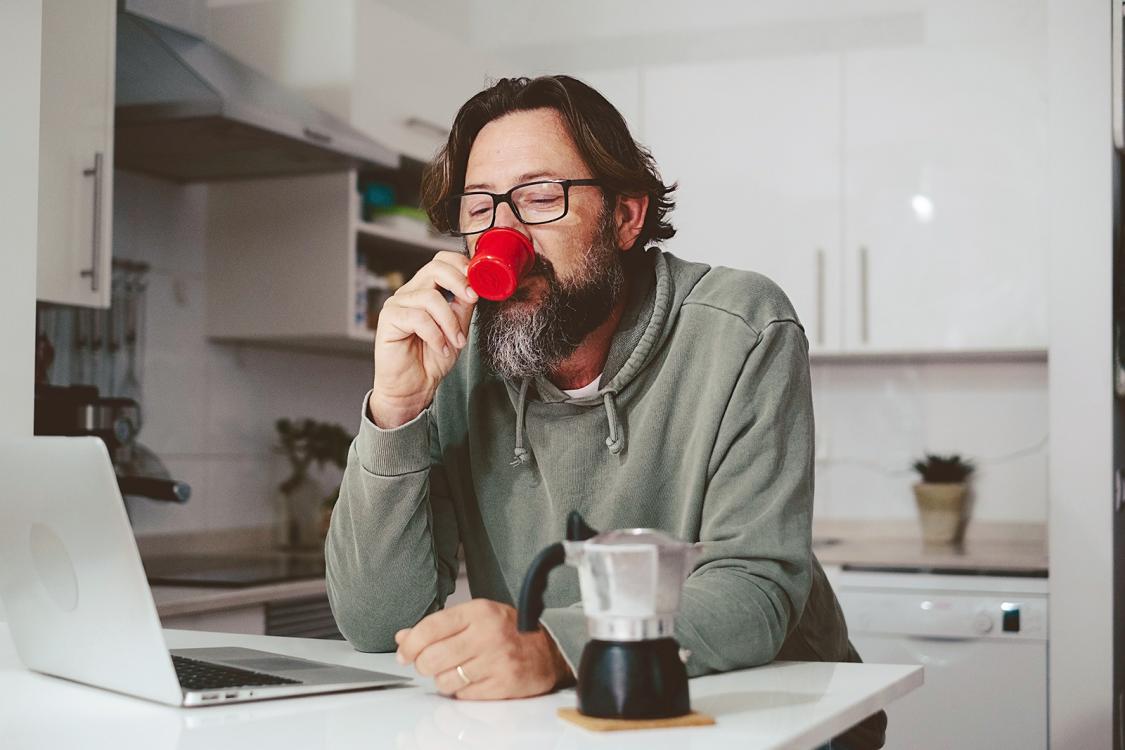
(982, 640)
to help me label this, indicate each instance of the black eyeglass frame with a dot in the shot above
(453, 203)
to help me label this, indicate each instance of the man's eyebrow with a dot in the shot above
(525, 177)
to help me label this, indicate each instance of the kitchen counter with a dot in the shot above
(173, 601)
(797, 705)
(1016, 549)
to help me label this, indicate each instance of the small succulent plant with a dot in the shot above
(943, 469)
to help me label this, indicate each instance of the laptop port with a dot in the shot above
(210, 696)
(231, 695)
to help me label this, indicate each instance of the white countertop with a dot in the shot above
(783, 705)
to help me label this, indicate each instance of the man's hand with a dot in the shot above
(418, 339)
(480, 636)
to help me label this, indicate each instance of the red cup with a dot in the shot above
(503, 256)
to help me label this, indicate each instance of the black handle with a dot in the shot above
(168, 490)
(535, 583)
(576, 528)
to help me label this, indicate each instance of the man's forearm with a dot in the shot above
(382, 566)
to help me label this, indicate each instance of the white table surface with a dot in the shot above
(782, 705)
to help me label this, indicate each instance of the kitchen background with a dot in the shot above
(972, 376)
(922, 177)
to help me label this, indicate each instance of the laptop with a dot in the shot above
(78, 604)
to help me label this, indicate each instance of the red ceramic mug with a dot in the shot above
(501, 259)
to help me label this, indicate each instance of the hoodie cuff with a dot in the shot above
(391, 453)
(567, 628)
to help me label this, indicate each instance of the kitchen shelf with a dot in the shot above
(284, 256)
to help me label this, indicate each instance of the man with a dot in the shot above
(619, 381)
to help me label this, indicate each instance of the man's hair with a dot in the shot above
(624, 166)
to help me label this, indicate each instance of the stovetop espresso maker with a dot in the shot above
(631, 582)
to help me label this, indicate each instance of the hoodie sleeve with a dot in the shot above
(390, 556)
(752, 581)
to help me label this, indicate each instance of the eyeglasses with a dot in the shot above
(532, 202)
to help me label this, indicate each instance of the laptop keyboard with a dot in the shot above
(202, 675)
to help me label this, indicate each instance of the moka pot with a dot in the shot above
(631, 581)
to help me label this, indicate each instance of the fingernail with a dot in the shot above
(400, 658)
(472, 295)
(445, 350)
(461, 340)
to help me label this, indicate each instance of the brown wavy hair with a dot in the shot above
(624, 166)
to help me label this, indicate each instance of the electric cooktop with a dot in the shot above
(232, 571)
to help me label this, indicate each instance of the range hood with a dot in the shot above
(189, 112)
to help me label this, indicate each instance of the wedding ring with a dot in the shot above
(463, 676)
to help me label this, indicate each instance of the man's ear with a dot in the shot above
(629, 218)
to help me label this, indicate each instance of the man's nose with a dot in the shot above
(506, 217)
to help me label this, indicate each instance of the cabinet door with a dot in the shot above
(76, 152)
(755, 148)
(945, 185)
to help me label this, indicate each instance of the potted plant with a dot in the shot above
(942, 497)
(305, 442)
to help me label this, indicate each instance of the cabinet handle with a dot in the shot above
(820, 296)
(316, 135)
(1118, 64)
(864, 303)
(96, 245)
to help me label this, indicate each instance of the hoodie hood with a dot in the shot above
(661, 284)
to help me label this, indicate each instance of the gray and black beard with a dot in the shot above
(523, 341)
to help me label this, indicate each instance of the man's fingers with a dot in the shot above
(433, 303)
(414, 322)
(450, 682)
(438, 626)
(445, 271)
(446, 653)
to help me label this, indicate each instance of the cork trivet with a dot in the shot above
(694, 719)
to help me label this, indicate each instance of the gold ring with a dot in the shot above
(463, 676)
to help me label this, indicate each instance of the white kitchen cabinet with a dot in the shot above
(945, 222)
(76, 152)
(283, 256)
(895, 190)
(755, 149)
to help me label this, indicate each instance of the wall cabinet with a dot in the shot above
(286, 256)
(897, 193)
(76, 152)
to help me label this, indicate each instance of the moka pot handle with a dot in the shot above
(535, 583)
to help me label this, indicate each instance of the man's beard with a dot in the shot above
(521, 340)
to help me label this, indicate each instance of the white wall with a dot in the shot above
(20, 23)
(1081, 583)
(210, 408)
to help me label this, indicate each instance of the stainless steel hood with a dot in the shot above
(189, 112)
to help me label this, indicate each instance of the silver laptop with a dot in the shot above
(78, 604)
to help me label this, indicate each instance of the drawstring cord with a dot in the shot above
(616, 440)
(520, 453)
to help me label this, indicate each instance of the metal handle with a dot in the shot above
(316, 135)
(864, 304)
(820, 296)
(96, 245)
(1117, 74)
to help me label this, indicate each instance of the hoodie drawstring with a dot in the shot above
(616, 440)
(521, 456)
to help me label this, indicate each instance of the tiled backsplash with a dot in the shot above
(210, 408)
(874, 419)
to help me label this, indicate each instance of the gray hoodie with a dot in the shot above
(702, 427)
